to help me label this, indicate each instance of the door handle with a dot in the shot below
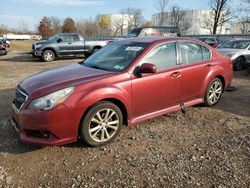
(175, 75)
(69, 43)
(208, 66)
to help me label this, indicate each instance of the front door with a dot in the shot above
(153, 92)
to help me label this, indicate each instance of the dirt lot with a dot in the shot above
(206, 147)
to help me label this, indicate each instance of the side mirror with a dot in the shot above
(147, 68)
(59, 40)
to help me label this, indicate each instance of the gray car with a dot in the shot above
(239, 52)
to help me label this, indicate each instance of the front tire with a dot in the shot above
(214, 92)
(239, 64)
(48, 56)
(101, 124)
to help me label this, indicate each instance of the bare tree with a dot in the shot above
(119, 24)
(135, 18)
(219, 15)
(161, 5)
(87, 27)
(243, 17)
(178, 18)
(56, 24)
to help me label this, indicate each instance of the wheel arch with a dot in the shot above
(51, 49)
(115, 101)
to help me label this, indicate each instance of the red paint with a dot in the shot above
(146, 96)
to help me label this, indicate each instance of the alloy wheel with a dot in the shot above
(103, 125)
(215, 92)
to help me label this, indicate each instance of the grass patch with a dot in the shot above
(21, 45)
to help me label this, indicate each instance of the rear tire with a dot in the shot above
(101, 124)
(48, 56)
(239, 64)
(214, 92)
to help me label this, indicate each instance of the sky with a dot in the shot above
(28, 13)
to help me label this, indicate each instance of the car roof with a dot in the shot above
(157, 39)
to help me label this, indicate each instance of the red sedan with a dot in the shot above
(126, 82)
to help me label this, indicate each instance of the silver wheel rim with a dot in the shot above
(103, 125)
(214, 92)
(48, 56)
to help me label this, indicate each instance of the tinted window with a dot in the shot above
(205, 53)
(192, 52)
(238, 44)
(162, 56)
(76, 38)
(116, 56)
(67, 38)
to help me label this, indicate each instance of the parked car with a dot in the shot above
(64, 44)
(239, 52)
(6, 42)
(211, 41)
(154, 31)
(3, 50)
(117, 85)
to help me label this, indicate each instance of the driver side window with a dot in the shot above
(163, 56)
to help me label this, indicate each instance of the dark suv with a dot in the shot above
(62, 44)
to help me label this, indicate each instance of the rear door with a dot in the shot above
(153, 92)
(78, 44)
(66, 45)
(195, 64)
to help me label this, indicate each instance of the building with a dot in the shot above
(11, 36)
(240, 27)
(115, 24)
(191, 22)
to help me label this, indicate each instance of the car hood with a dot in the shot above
(228, 51)
(59, 78)
(41, 42)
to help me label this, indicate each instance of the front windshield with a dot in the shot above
(241, 44)
(53, 38)
(134, 33)
(202, 39)
(116, 56)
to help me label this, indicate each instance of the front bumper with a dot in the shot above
(37, 53)
(55, 127)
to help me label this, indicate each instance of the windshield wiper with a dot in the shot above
(97, 67)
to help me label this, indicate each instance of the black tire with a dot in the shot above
(239, 64)
(213, 94)
(48, 56)
(95, 50)
(248, 69)
(100, 126)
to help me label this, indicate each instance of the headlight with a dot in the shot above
(38, 46)
(49, 101)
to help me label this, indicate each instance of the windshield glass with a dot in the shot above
(116, 56)
(134, 33)
(53, 38)
(241, 44)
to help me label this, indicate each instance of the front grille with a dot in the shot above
(19, 99)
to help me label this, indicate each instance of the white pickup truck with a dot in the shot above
(94, 46)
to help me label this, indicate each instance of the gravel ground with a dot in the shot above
(205, 147)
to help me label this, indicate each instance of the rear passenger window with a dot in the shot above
(163, 56)
(76, 38)
(206, 53)
(191, 52)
